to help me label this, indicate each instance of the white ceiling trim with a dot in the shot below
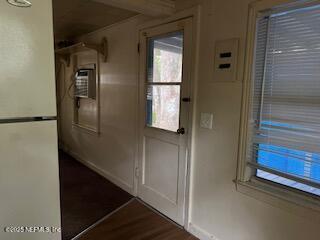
(147, 7)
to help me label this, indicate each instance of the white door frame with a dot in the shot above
(194, 13)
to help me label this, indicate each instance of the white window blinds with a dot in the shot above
(285, 139)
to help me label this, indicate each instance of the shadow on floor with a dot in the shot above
(86, 197)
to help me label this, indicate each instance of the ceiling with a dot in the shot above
(77, 17)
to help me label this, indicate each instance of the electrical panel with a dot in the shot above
(226, 60)
(85, 83)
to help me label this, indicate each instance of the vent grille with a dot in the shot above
(81, 89)
(85, 84)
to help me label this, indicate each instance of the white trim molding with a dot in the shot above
(200, 233)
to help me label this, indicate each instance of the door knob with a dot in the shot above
(181, 131)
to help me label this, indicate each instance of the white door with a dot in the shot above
(165, 59)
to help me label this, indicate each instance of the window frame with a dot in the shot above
(304, 204)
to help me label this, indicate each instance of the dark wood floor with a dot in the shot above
(135, 221)
(86, 197)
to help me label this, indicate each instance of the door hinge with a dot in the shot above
(137, 172)
(138, 47)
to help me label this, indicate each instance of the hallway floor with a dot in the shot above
(135, 221)
(86, 197)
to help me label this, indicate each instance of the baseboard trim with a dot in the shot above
(200, 233)
(115, 180)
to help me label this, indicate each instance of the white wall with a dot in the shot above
(113, 152)
(216, 207)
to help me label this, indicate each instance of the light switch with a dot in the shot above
(206, 120)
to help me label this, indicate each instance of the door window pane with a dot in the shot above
(165, 58)
(164, 79)
(163, 107)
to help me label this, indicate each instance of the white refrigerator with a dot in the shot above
(29, 174)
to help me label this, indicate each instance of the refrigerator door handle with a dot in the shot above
(28, 119)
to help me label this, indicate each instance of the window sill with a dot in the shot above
(299, 204)
(86, 129)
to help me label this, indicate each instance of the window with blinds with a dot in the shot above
(285, 132)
